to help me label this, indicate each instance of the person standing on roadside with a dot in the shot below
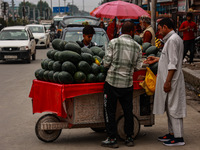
(170, 85)
(189, 28)
(123, 57)
(148, 34)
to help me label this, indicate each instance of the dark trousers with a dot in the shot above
(125, 96)
(189, 45)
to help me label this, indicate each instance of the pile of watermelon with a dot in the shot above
(149, 50)
(68, 63)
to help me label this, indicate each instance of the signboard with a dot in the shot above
(182, 6)
(145, 2)
(62, 9)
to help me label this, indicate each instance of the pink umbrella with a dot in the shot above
(119, 9)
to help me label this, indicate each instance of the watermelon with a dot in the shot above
(73, 47)
(49, 54)
(37, 74)
(101, 54)
(56, 55)
(55, 77)
(79, 77)
(65, 77)
(152, 50)
(70, 56)
(57, 66)
(154, 67)
(152, 55)
(50, 65)
(87, 50)
(145, 46)
(87, 57)
(56, 44)
(95, 50)
(45, 75)
(84, 67)
(44, 63)
(102, 69)
(95, 68)
(91, 78)
(101, 77)
(138, 39)
(62, 45)
(52, 54)
(40, 74)
(69, 67)
(158, 54)
(50, 76)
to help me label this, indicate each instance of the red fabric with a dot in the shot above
(119, 9)
(188, 35)
(49, 97)
(110, 30)
(147, 37)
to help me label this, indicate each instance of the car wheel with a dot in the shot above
(34, 56)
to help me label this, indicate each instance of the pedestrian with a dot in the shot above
(88, 32)
(170, 85)
(122, 58)
(101, 25)
(148, 34)
(189, 28)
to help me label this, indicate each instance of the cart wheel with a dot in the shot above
(120, 127)
(99, 130)
(47, 135)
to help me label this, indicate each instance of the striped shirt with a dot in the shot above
(122, 56)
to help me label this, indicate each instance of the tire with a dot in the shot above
(34, 56)
(120, 127)
(47, 135)
(99, 130)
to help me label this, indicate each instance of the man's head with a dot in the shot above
(165, 26)
(145, 21)
(88, 32)
(128, 28)
(189, 17)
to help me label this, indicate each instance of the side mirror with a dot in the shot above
(31, 38)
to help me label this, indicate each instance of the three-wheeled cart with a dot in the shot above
(81, 106)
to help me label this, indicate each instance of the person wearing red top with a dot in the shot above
(189, 28)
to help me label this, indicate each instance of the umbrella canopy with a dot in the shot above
(119, 9)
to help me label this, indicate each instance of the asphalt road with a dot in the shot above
(17, 124)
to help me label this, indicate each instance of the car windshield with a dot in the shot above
(68, 21)
(47, 26)
(99, 37)
(36, 29)
(13, 35)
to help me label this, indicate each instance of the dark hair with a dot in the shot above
(193, 5)
(127, 27)
(168, 22)
(189, 15)
(88, 30)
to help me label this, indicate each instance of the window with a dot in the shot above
(13, 35)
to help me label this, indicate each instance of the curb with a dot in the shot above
(192, 77)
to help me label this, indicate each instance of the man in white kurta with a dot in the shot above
(170, 85)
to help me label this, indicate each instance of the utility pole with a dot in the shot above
(40, 9)
(34, 13)
(72, 6)
(153, 14)
(24, 12)
(83, 6)
(59, 6)
(13, 10)
(51, 10)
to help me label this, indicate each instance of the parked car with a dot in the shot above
(74, 33)
(17, 42)
(42, 37)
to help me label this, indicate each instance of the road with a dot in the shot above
(18, 123)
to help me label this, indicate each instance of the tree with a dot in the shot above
(28, 9)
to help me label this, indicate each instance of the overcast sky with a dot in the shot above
(89, 4)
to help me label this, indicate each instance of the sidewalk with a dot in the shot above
(192, 75)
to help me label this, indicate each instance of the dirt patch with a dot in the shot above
(195, 67)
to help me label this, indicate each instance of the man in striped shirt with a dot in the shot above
(123, 56)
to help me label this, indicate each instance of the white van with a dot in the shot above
(17, 42)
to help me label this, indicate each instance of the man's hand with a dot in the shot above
(151, 60)
(167, 87)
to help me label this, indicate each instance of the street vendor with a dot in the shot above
(123, 57)
(170, 85)
(148, 34)
(88, 32)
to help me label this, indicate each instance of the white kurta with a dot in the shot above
(171, 58)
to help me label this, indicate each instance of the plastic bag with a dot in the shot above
(150, 80)
(149, 84)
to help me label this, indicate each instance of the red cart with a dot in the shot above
(81, 106)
